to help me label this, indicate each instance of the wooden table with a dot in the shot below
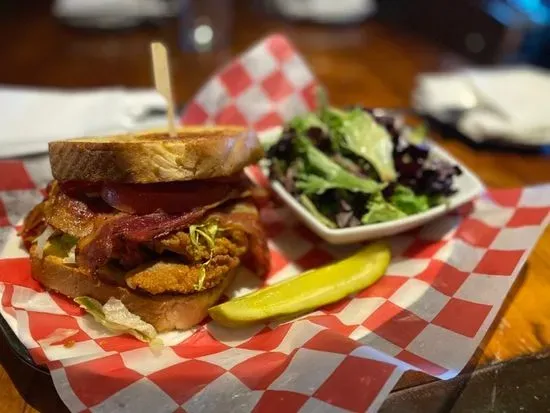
(370, 64)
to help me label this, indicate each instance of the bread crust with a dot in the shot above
(148, 157)
(165, 312)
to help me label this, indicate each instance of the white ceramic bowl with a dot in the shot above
(468, 187)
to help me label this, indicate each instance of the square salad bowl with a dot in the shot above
(467, 185)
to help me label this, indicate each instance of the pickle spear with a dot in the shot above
(307, 291)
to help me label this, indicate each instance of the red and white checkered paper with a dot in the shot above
(430, 311)
(266, 86)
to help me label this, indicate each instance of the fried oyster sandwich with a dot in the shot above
(152, 224)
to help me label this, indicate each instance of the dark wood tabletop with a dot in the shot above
(373, 64)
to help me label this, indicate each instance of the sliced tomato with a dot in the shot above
(79, 189)
(171, 197)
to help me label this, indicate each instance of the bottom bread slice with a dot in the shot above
(164, 311)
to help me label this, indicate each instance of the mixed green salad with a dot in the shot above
(357, 166)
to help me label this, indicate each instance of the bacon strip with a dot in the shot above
(106, 233)
(96, 249)
(75, 215)
(76, 208)
(114, 235)
(33, 225)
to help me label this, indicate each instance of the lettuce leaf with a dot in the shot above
(439, 199)
(418, 134)
(381, 211)
(403, 202)
(321, 98)
(115, 316)
(358, 132)
(323, 173)
(310, 206)
(60, 245)
(407, 201)
(313, 184)
(42, 240)
(304, 122)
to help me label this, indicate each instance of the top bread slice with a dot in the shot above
(148, 157)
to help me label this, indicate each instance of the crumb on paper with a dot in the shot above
(58, 337)
(69, 343)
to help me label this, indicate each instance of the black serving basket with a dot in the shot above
(17, 347)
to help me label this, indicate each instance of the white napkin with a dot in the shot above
(326, 11)
(113, 13)
(508, 103)
(32, 117)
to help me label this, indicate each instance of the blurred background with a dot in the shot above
(364, 51)
(86, 43)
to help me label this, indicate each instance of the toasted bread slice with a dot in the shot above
(165, 312)
(148, 157)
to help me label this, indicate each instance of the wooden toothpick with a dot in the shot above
(163, 84)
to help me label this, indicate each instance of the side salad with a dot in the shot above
(358, 166)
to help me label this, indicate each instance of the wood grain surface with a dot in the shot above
(372, 64)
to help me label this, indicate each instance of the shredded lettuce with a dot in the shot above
(310, 206)
(71, 256)
(66, 241)
(204, 232)
(202, 275)
(323, 173)
(115, 316)
(42, 240)
(379, 210)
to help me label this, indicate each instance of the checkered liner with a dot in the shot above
(266, 86)
(430, 311)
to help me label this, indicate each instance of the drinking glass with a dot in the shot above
(205, 25)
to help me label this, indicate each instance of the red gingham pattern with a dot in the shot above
(441, 292)
(444, 291)
(266, 86)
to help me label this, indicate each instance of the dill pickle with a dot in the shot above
(307, 291)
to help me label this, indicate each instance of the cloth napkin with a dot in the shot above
(508, 103)
(326, 11)
(113, 13)
(32, 117)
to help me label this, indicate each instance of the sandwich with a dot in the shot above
(153, 227)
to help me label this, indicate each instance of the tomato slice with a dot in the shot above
(170, 197)
(78, 189)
